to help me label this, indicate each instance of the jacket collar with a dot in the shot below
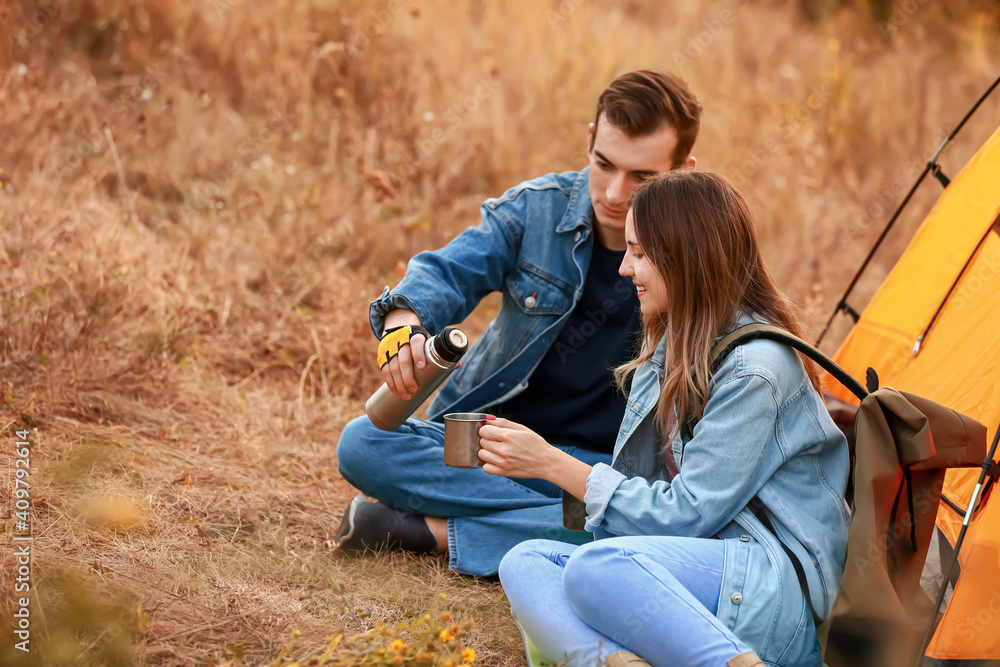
(659, 358)
(579, 211)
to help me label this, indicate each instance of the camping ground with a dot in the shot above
(199, 200)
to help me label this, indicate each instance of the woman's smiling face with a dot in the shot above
(649, 284)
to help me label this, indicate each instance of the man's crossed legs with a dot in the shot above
(486, 514)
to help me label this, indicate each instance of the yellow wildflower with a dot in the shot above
(469, 655)
(396, 644)
(446, 635)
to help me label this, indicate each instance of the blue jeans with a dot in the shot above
(487, 514)
(655, 596)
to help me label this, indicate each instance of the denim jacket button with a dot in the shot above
(737, 598)
(577, 237)
(744, 538)
(530, 302)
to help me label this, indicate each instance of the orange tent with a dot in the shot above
(933, 329)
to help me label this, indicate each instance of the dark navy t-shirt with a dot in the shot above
(571, 398)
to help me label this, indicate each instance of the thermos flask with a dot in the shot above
(443, 352)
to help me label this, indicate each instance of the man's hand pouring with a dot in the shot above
(402, 348)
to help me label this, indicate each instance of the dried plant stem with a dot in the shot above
(121, 175)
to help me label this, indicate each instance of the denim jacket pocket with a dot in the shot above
(538, 292)
(533, 298)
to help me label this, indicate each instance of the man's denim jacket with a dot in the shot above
(534, 245)
(766, 433)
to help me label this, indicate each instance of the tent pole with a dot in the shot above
(931, 164)
(987, 467)
(842, 304)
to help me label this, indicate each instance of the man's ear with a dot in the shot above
(690, 163)
(590, 138)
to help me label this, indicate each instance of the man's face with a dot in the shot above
(618, 164)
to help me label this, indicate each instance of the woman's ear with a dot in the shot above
(690, 163)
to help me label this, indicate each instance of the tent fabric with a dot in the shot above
(933, 329)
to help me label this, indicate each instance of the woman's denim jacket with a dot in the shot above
(534, 246)
(766, 433)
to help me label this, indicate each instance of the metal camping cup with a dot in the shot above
(461, 439)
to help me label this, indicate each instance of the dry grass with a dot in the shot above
(200, 199)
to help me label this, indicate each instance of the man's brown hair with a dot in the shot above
(639, 103)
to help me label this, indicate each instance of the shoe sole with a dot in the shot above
(348, 519)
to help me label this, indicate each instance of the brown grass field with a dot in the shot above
(199, 200)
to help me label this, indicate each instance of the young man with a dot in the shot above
(552, 246)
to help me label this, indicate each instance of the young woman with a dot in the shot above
(683, 572)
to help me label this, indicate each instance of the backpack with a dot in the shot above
(900, 447)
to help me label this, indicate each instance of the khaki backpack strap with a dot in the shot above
(749, 332)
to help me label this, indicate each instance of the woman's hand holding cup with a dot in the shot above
(513, 450)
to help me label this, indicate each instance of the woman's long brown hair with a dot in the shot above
(696, 230)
